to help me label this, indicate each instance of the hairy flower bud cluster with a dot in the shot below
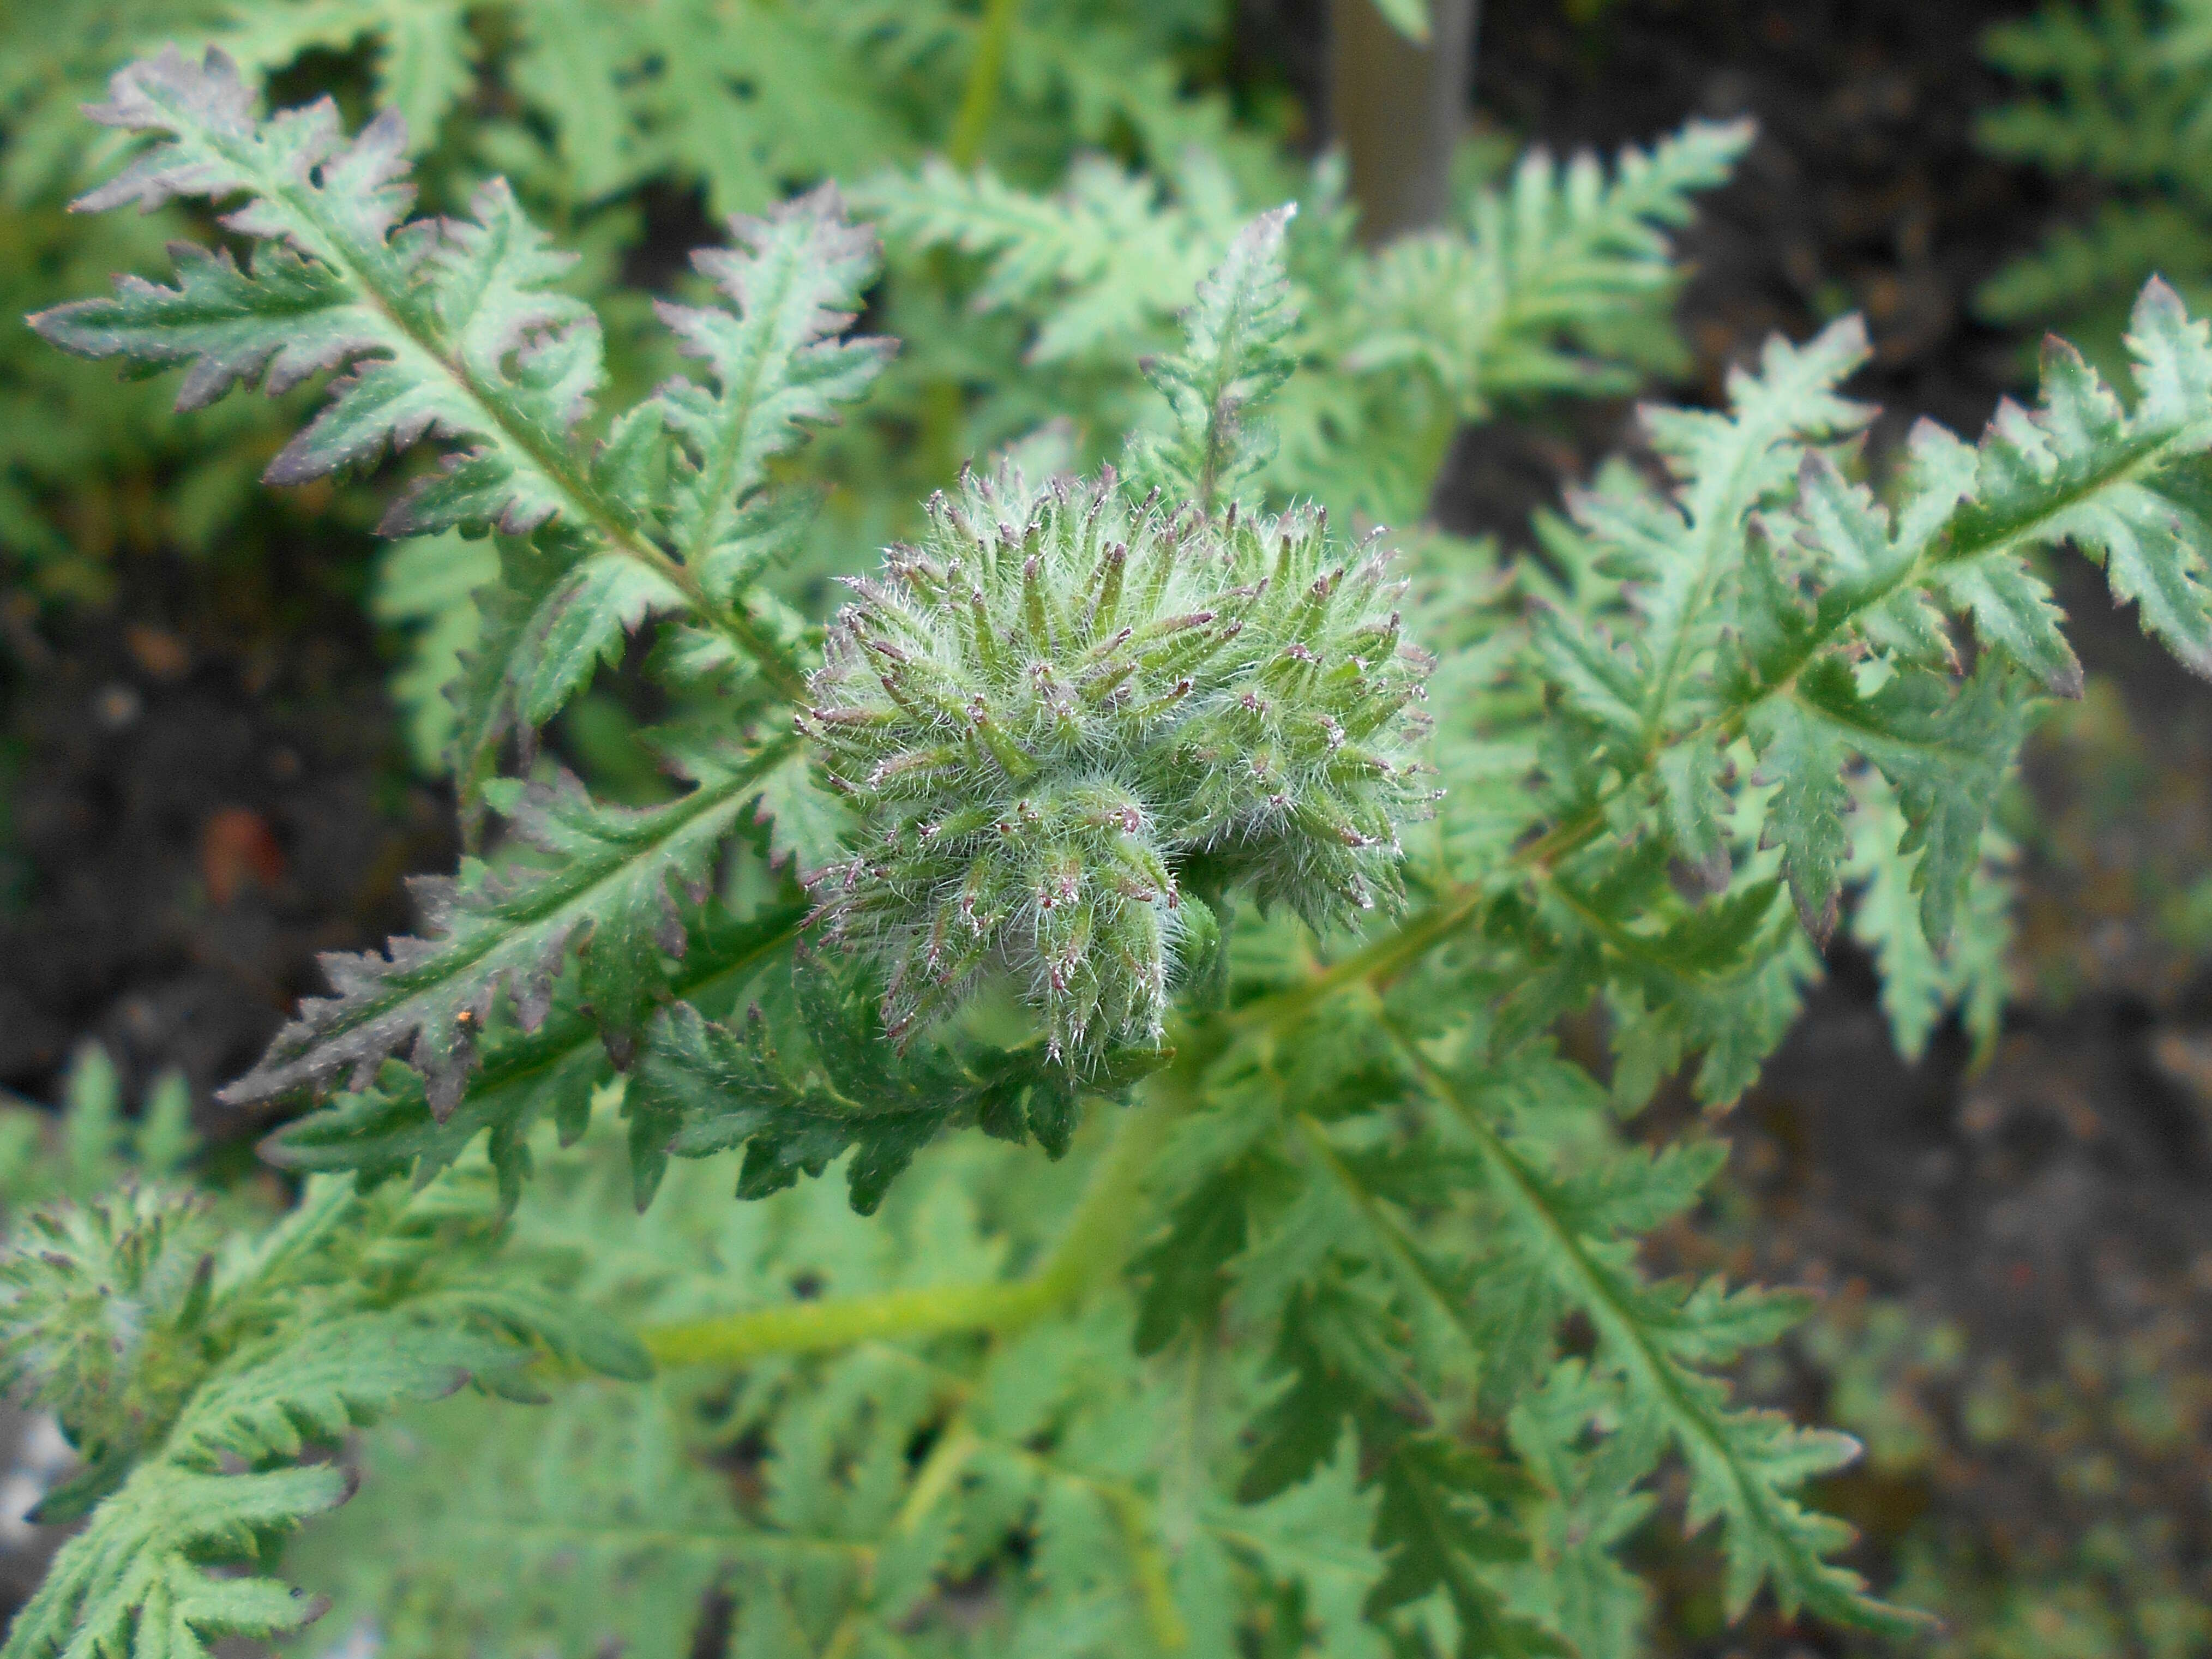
(1061, 708)
(96, 1301)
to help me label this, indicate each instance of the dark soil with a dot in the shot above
(202, 792)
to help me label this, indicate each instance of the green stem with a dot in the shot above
(979, 99)
(1419, 935)
(1096, 1241)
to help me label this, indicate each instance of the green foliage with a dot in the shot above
(192, 1368)
(1743, 1465)
(90, 1146)
(453, 330)
(423, 590)
(931, 1494)
(1808, 628)
(584, 107)
(1233, 357)
(2117, 94)
(1556, 282)
(608, 880)
(712, 1088)
(452, 333)
(594, 1517)
(1920, 985)
(94, 467)
(1322, 1324)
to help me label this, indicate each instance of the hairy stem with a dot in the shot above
(1095, 1243)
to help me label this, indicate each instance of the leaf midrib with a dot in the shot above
(372, 273)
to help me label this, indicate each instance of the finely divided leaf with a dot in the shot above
(1919, 985)
(425, 53)
(453, 325)
(807, 824)
(390, 1129)
(1235, 355)
(1557, 282)
(1745, 1465)
(1805, 758)
(456, 330)
(780, 364)
(2128, 487)
(1945, 748)
(134, 1581)
(1102, 261)
(728, 1088)
(1442, 1520)
(332, 1317)
(704, 1088)
(611, 886)
(1318, 1534)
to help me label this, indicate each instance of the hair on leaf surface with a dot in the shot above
(1062, 707)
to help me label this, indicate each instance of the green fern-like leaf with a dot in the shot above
(615, 878)
(1918, 985)
(452, 328)
(751, 99)
(433, 319)
(705, 1088)
(780, 363)
(241, 1354)
(552, 1073)
(89, 1146)
(1744, 1464)
(1558, 282)
(1047, 1475)
(424, 588)
(2114, 95)
(587, 1520)
(1552, 284)
(1234, 356)
(1099, 264)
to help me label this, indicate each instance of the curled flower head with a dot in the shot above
(1062, 707)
